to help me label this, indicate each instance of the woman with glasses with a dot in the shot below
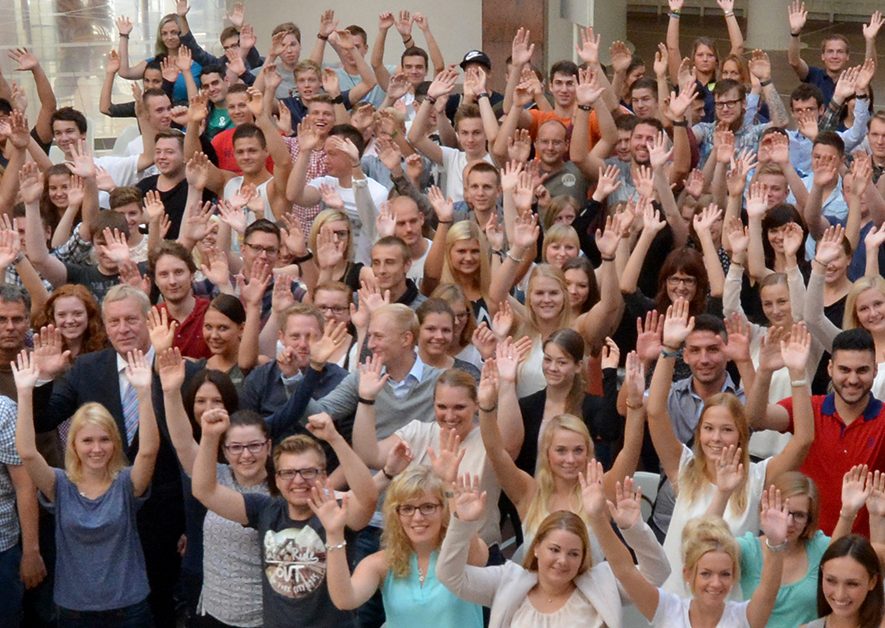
(462, 346)
(416, 516)
(331, 240)
(334, 299)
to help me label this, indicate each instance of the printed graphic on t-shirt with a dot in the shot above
(295, 561)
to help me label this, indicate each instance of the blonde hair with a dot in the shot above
(324, 217)
(560, 520)
(403, 317)
(93, 414)
(694, 477)
(560, 233)
(160, 47)
(452, 293)
(531, 325)
(863, 284)
(467, 230)
(794, 484)
(707, 534)
(409, 484)
(299, 444)
(554, 209)
(538, 508)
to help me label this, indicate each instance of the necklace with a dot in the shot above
(421, 576)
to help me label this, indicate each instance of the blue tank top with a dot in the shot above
(409, 603)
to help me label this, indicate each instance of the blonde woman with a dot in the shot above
(331, 240)
(416, 516)
(95, 499)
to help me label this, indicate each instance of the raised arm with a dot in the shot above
(433, 50)
(760, 66)
(797, 15)
(597, 323)
(35, 241)
(773, 521)
(735, 36)
(385, 21)
(365, 439)
(673, 39)
(138, 372)
(27, 61)
(755, 212)
(628, 458)
(703, 224)
(171, 371)
(297, 190)
(441, 87)
(763, 415)
(870, 31)
(135, 72)
(219, 499)
(26, 374)
(651, 226)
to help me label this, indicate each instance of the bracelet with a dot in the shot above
(338, 100)
(332, 548)
(729, 14)
(430, 99)
(585, 107)
(410, 39)
(633, 407)
(445, 222)
(607, 259)
(365, 402)
(792, 34)
(323, 37)
(819, 262)
(776, 548)
(124, 36)
(303, 258)
(386, 474)
(674, 15)
(18, 258)
(482, 95)
(669, 353)
(492, 409)
(518, 260)
(681, 123)
(765, 83)
(799, 382)
(861, 96)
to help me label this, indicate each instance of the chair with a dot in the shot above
(649, 483)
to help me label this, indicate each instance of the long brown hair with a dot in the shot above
(572, 344)
(859, 548)
(688, 261)
(94, 338)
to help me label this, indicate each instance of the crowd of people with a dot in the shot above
(301, 354)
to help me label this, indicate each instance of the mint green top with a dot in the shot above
(796, 602)
(409, 603)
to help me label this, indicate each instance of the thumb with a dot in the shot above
(613, 511)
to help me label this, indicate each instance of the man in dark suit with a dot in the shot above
(100, 377)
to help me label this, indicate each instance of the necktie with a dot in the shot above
(130, 413)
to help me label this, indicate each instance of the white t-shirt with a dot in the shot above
(673, 612)
(123, 171)
(746, 521)
(420, 436)
(135, 148)
(454, 162)
(364, 238)
(416, 270)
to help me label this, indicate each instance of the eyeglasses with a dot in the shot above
(798, 517)
(270, 251)
(335, 309)
(727, 104)
(308, 474)
(236, 449)
(235, 46)
(688, 282)
(408, 510)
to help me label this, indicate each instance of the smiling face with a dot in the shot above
(169, 157)
(558, 253)
(852, 374)
(221, 334)
(568, 454)
(776, 305)
(421, 528)
(644, 102)
(578, 286)
(730, 71)
(126, 325)
(870, 310)
(57, 186)
(173, 278)
(454, 408)
(713, 578)
(681, 285)
(333, 304)
(250, 154)
(94, 447)
(776, 189)
(133, 214)
(464, 256)
(845, 584)
(170, 34)
(551, 144)
(238, 108)
(546, 298)
(560, 555)
(729, 107)
(834, 55)
(481, 190)
(389, 267)
(298, 332)
(247, 466)
(639, 139)
(322, 114)
(704, 353)
(296, 491)
(159, 110)
(559, 368)
(563, 87)
(66, 134)
(70, 317)
(215, 86)
(717, 431)
(415, 69)
(436, 334)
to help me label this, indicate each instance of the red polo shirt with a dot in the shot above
(189, 335)
(836, 448)
(223, 143)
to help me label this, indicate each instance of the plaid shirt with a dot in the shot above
(9, 528)
(317, 167)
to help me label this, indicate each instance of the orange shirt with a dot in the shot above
(540, 117)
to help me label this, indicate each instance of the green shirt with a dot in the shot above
(219, 120)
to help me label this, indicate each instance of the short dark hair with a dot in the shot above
(646, 82)
(857, 339)
(264, 226)
(414, 51)
(564, 67)
(227, 33)
(213, 68)
(109, 220)
(650, 122)
(726, 85)
(230, 306)
(626, 123)
(173, 249)
(806, 91)
(69, 114)
(171, 134)
(830, 138)
(248, 129)
(350, 132)
(709, 322)
(356, 30)
(238, 88)
(398, 243)
(153, 64)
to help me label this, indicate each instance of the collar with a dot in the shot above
(417, 370)
(873, 409)
(684, 386)
(410, 294)
(121, 361)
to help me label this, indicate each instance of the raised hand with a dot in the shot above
(442, 206)
(197, 171)
(519, 146)
(252, 292)
(756, 203)
(445, 464)
(503, 320)
(857, 485)
(592, 491)
(161, 329)
(703, 222)
(170, 366)
(729, 469)
(526, 230)
(634, 379)
(876, 498)
(404, 25)
(644, 182)
(487, 391)
(484, 340)
(775, 516)
(770, 355)
(494, 233)
(626, 511)
(49, 355)
(138, 370)
(738, 237)
(322, 427)
(469, 502)
(607, 241)
(797, 15)
(10, 245)
(333, 337)
(25, 59)
(324, 505)
(677, 324)
(115, 246)
(738, 329)
(507, 360)
(30, 183)
(521, 50)
(124, 25)
(589, 88)
(215, 422)
(609, 180)
(588, 49)
(760, 65)
(658, 154)
(829, 247)
(693, 184)
(795, 352)
(81, 163)
(372, 381)
(443, 84)
(25, 372)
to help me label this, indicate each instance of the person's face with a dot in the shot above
(207, 397)
(13, 325)
(334, 306)
(70, 317)
(775, 189)
(558, 253)
(387, 340)
(170, 34)
(696, 110)
(246, 464)
(807, 106)
(298, 334)
(58, 185)
(471, 135)
(635, 74)
(821, 152)
(559, 368)
(231, 43)
(834, 55)
(776, 237)
(261, 245)
(731, 71)
(173, 278)
(876, 138)
(291, 50)
(322, 115)
(436, 334)
(94, 447)
(639, 139)
(415, 69)
(729, 107)
(220, 332)
(704, 59)
(168, 157)
(797, 521)
(560, 555)
(409, 221)
(713, 578)
(454, 409)
(389, 267)
(421, 528)
(238, 108)
(159, 110)
(464, 256)
(578, 285)
(126, 325)
(563, 86)
(551, 144)
(133, 214)
(705, 355)
(776, 305)
(852, 374)
(152, 79)
(296, 491)
(340, 231)
(568, 454)
(461, 309)
(644, 102)
(215, 86)
(338, 161)
(870, 310)
(837, 268)
(546, 298)
(622, 148)
(481, 192)
(566, 216)
(845, 584)
(250, 154)
(717, 431)
(65, 133)
(681, 284)
(308, 84)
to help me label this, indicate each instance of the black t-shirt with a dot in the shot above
(293, 560)
(93, 279)
(174, 200)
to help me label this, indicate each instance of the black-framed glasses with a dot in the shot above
(408, 510)
(236, 449)
(270, 251)
(687, 281)
(335, 309)
(798, 516)
(308, 473)
(727, 104)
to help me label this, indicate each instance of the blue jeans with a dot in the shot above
(11, 587)
(134, 616)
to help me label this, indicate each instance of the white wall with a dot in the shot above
(456, 24)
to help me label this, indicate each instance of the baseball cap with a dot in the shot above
(476, 56)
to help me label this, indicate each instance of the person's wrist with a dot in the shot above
(124, 35)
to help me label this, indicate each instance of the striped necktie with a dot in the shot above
(130, 413)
